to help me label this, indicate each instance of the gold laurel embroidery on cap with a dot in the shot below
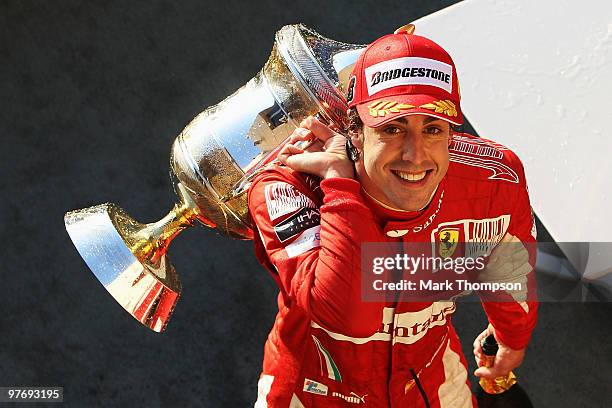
(382, 108)
(446, 107)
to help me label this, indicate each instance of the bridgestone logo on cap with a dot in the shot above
(409, 71)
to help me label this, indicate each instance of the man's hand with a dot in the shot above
(506, 358)
(326, 157)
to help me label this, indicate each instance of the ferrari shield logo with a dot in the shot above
(448, 241)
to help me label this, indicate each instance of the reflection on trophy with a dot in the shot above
(212, 163)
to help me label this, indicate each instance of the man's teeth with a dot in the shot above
(411, 176)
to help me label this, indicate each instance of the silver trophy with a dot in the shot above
(212, 163)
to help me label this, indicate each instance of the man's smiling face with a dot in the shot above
(403, 161)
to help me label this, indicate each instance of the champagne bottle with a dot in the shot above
(502, 392)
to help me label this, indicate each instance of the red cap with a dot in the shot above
(404, 74)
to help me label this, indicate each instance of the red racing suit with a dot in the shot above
(328, 348)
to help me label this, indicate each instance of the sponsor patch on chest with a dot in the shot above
(470, 238)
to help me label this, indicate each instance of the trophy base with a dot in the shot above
(103, 235)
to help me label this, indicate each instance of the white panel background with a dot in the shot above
(536, 76)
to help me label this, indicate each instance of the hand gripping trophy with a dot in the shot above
(212, 162)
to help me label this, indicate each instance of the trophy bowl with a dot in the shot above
(212, 163)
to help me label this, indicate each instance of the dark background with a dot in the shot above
(93, 94)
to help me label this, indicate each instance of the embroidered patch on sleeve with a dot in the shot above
(283, 198)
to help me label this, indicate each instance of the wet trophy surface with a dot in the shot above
(212, 162)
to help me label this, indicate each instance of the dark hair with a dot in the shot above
(354, 121)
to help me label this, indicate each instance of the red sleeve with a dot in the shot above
(316, 250)
(515, 316)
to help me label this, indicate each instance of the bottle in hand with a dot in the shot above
(502, 392)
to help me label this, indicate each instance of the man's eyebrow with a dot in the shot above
(430, 119)
(402, 120)
(427, 120)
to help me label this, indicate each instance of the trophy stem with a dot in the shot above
(152, 241)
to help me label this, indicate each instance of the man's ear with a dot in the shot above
(356, 139)
(354, 146)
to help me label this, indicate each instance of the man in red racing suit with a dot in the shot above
(328, 347)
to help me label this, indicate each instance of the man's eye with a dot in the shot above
(392, 130)
(433, 130)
